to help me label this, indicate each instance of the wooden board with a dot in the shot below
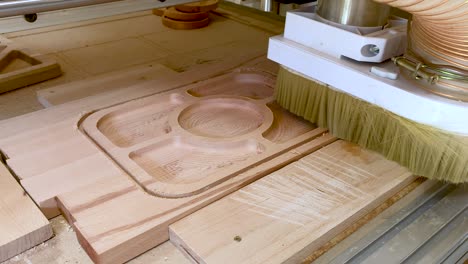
(18, 69)
(102, 83)
(292, 212)
(185, 141)
(22, 225)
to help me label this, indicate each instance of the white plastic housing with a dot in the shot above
(310, 30)
(399, 96)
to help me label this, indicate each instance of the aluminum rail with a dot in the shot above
(22, 7)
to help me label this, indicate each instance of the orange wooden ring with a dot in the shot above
(175, 14)
(159, 11)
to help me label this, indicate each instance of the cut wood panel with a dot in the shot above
(116, 220)
(175, 145)
(290, 213)
(22, 225)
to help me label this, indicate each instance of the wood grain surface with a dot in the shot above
(22, 225)
(290, 213)
(176, 144)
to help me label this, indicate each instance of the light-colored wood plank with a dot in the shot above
(115, 220)
(83, 34)
(22, 225)
(102, 83)
(114, 55)
(290, 213)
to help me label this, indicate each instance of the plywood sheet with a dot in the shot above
(290, 213)
(22, 225)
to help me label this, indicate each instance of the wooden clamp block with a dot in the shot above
(39, 68)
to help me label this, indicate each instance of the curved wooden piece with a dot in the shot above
(175, 14)
(176, 24)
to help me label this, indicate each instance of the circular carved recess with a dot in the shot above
(221, 118)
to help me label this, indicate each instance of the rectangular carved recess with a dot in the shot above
(183, 142)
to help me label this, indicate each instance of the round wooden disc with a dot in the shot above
(159, 11)
(177, 24)
(198, 7)
(183, 16)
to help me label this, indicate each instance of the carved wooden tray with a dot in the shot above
(183, 142)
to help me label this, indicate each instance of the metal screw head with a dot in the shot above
(30, 17)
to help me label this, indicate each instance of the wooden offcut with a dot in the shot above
(33, 69)
(22, 225)
(287, 215)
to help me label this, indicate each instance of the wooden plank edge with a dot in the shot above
(346, 232)
(34, 238)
